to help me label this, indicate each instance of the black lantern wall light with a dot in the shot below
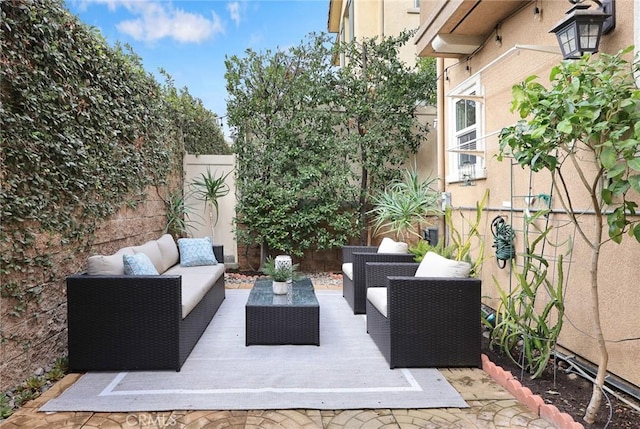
(579, 32)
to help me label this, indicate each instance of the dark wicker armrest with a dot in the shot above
(406, 290)
(436, 319)
(377, 272)
(101, 298)
(108, 315)
(360, 261)
(357, 294)
(348, 251)
(218, 251)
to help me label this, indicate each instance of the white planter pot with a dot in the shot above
(280, 288)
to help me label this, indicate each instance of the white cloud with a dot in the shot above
(156, 21)
(112, 5)
(234, 12)
(255, 39)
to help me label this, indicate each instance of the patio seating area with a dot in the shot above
(491, 405)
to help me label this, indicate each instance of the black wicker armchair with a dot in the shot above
(354, 289)
(429, 322)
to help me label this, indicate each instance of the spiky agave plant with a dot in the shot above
(210, 189)
(405, 206)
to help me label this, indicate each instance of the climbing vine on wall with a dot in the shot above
(199, 127)
(84, 132)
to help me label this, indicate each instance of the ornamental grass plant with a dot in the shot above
(406, 206)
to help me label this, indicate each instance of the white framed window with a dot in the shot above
(464, 130)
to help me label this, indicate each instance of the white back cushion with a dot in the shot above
(434, 265)
(169, 251)
(111, 265)
(152, 250)
(388, 245)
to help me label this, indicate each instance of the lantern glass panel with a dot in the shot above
(589, 34)
(567, 38)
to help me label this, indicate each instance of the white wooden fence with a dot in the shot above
(194, 166)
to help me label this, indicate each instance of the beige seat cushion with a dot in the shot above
(347, 269)
(110, 265)
(378, 297)
(434, 265)
(196, 282)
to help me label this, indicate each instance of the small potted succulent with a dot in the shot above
(281, 274)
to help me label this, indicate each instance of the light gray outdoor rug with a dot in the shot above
(345, 372)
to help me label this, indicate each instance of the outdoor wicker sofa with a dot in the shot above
(141, 322)
(423, 321)
(354, 288)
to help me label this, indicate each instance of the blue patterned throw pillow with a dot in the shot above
(138, 265)
(196, 251)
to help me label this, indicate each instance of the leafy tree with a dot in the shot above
(198, 126)
(377, 97)
(314, 143)
(428, 68)
(587, 124)
(292, 174)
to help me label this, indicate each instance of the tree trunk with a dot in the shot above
(211, 221)
(596, 396)
(364, 224)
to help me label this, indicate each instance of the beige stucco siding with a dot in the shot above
(497, 69)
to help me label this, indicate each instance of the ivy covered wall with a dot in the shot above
(89, 152)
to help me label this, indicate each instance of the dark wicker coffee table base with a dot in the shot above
(294, 323)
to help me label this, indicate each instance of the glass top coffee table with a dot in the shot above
(273, 319)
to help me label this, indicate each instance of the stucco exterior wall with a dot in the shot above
(400, 15)
(426, 158)
(498, 68)
(373, 18)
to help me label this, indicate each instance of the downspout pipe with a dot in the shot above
(381, 16)
(441, 151)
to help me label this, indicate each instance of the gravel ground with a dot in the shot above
(241, 280)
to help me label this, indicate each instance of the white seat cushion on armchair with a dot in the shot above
(347, 269)
(377, 296)
(434, 265)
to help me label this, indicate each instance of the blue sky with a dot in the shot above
(191, 38)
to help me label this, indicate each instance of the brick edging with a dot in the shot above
(535, 403)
